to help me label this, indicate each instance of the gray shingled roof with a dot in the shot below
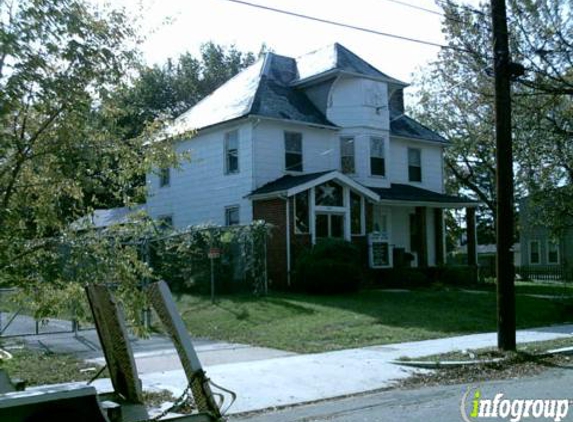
(267, 89)
(287, 182)
(402, 125)
(400, 192)
(339, 58)
(104, 218)
(396, 191)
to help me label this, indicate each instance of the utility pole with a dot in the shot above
(504, 182)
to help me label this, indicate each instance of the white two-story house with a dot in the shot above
(319, 146)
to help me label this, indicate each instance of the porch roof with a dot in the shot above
(413, 195)
(396, 194)
(290, 185)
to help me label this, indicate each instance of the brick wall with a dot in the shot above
(273, 211)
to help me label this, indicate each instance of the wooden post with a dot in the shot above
(504, 183)
(423, 241)
(439, 235)
(472, 236)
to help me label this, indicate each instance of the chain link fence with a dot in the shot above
(201, 260)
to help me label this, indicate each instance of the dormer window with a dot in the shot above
(347, 165)
(414, 165)
(293, 151)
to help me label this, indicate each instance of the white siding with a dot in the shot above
(318, 152)
(200, 190)
(356, 102)
(432, 164)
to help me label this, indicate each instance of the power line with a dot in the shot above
(433, 12)
(464, 6)
(344, 25)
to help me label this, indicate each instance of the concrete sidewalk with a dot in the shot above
(288, 380)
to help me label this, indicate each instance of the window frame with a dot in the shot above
(413, 166)
(548, 251)
(232, 136)
(296, 209)
(530, 260)
(298, 139)
(164, 177)
(330, 227)
(361, 211)
(346, 140)
(373, 157)
(228, 211)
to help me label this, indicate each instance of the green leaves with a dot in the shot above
(60, 154)
(456, 98)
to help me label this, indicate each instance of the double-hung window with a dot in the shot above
(552, 252)
(164, 177)
(232, 152)
(293, 151)
(347, 165)
(232, 215)
(414, 165)
(534, 252)
(377, 161)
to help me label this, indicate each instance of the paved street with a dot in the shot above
(434, 404)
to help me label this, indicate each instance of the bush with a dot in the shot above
(332, 266)
(461, 275)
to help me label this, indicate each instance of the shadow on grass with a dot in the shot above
(239, 306)
(441, 310)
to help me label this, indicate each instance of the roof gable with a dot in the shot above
(290, 185)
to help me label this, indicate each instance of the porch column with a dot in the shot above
(439, 234)
(423, 240)
(472, 235)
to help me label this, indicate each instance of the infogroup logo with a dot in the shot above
(475, 407)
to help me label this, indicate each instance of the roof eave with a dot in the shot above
(264, 196)
(326, 177)
(335, 174)
(335, 72)
(433, 204)
(299, 122)
(445, 142)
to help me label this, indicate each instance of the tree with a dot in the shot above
(170, 89)
(59, 63)
(456, 98)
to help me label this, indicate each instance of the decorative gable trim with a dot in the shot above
(308, 184)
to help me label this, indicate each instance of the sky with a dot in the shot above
(193, 22)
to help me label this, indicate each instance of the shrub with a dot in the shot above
(331, 266)
(456, 275)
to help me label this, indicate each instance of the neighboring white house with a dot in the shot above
(323, 136)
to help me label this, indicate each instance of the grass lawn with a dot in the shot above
(550, 288)
(36, 367)
(307, 324)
